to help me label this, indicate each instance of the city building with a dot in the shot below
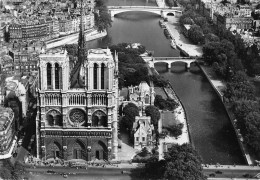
(16, 97)
(228, 15)
(143, 132)
(21, 57)
(235, 22)
(77, 111)
(7, 132)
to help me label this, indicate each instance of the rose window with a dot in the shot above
(77, 115)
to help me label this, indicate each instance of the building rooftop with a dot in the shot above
(6, 117)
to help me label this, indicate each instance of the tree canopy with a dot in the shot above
(129, 112)
(181, 162)
(132, 68)
(154, 113)
(102, 18)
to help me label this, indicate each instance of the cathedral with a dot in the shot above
(77, 104)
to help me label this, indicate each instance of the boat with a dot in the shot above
(167, 34)
(162, 23)
(173, 44)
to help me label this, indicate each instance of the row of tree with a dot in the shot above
(102, 17)
(241, 93)
(223, 48)
(165, 104)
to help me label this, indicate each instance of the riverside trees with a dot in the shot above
(181, 162)
(220, 42)
(132, 68)
(102, 18)
(240, 93)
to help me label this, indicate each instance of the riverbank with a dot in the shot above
(219, 85)
(178, 116)
(182, 43)
(73, 38)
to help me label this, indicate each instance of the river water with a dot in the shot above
(210, 128)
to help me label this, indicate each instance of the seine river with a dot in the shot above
(210, 128)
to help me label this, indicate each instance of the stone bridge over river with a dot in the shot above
(162, 11)
(170, 60)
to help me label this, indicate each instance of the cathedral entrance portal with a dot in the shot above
(55, 150)
(100, 151)
(79, 151)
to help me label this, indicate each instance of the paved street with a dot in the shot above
(227, 171)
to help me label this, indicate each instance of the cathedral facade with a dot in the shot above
(77, 122)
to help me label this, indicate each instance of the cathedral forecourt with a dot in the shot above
(81, 122)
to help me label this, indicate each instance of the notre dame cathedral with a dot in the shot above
(77, 105)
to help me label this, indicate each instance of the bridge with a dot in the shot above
(162, 11)
(169, 61)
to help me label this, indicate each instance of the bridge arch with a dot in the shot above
(156, 10)
(170, 62)
(170, 14)
(116, 12)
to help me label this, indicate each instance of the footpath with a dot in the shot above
(181, 41)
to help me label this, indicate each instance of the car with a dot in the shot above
(51, 172)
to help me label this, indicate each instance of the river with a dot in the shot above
(210, 127)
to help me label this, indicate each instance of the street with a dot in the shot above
(232, 172)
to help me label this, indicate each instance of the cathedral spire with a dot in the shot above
(76, 80)
(81, 40)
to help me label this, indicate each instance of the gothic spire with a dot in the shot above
(76, 80)
(81, 40)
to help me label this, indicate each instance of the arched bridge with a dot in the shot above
(176, 11)
(169, 61)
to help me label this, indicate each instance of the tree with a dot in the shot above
(186, 20)
(200, 21)
(102, 18)
(129, 111)
(239, 88)
(165, 104)
(210, 37)
(195, 34)
(181, 162)
(132, 68)
(154, 113)
(252, 136)
(241, 109)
